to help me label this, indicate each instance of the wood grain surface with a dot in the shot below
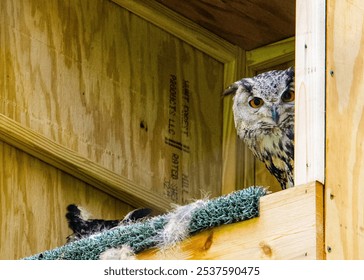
(116, 89)
(344, 130)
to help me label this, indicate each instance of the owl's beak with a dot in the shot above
(275, 114)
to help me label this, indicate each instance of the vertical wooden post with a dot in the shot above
(345, 130)
(310, 91)
(230, 171)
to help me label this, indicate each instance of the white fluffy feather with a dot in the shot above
(177, 227)
(122, 253)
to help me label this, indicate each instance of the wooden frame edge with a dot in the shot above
(320, 221)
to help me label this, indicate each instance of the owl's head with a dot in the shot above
(263, 104)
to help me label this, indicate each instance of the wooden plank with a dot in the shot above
(310, 92)
(231, 173)
(344, 188)
(69, 161)
(290, 226)
(34, 197)
(269, 56)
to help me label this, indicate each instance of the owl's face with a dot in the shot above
(264, 104)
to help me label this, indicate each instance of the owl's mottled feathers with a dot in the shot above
(263, 108)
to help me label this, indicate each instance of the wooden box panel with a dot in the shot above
(290, 226)
(121, 92)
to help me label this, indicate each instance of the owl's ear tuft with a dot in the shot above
(290, 72)
(235, 86)
(231, 89)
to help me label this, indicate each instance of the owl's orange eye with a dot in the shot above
(288, 96)
(256, 102)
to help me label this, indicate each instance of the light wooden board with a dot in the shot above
(34, 197)
(270, 56)
(290, 226)
(119, 91)
(345, 130)
(310, 92)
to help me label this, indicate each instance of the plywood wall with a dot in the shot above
(345, 130)
(33, 199)
(116, 89)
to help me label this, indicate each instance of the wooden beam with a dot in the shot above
(290, 226)
(310, 91)
(270, 56)
(69, 161)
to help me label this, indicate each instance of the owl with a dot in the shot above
(82, 226)
(263, 108)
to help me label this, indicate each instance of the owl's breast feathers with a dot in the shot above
(276, 149)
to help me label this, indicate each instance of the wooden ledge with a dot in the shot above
(290, 226)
